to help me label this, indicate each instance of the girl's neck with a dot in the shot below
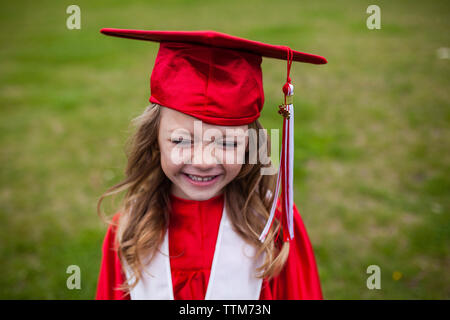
(188, 210)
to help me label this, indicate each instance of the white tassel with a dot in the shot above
(290, 189)
(264, 233)
(288, 170)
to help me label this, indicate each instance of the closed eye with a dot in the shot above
(228, 144)
(182, 141)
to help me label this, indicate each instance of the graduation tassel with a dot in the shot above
(285, 175)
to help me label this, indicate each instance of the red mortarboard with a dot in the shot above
(217, 78)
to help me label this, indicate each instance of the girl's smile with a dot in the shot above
(202, 181)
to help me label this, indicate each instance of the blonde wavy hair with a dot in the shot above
(145, 208)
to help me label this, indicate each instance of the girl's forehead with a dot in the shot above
(172, 120)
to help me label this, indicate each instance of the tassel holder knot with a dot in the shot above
(283, 110)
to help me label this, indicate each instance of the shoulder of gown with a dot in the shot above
(111, 276)
(299, 278)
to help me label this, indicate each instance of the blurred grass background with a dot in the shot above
(372, 134)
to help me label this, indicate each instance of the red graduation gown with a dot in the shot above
(193, 231)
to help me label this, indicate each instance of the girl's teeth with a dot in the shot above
(195, 178)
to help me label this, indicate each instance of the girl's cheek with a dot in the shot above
(234, 156)
(178, 156)
(168, 164)
(232, 170)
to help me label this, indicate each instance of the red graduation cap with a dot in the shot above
(217, 78)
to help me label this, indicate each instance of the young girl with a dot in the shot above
(193, 224)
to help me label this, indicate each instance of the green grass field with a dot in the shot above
(372, 134)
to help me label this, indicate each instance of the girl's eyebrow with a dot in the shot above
(181, 130)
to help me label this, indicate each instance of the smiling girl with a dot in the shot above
(196, 204)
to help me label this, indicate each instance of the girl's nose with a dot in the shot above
(204, 156)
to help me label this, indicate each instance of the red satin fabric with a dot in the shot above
(192, 237)
(215, 39)
(216, 85)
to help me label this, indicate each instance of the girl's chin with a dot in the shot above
(197, 195)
